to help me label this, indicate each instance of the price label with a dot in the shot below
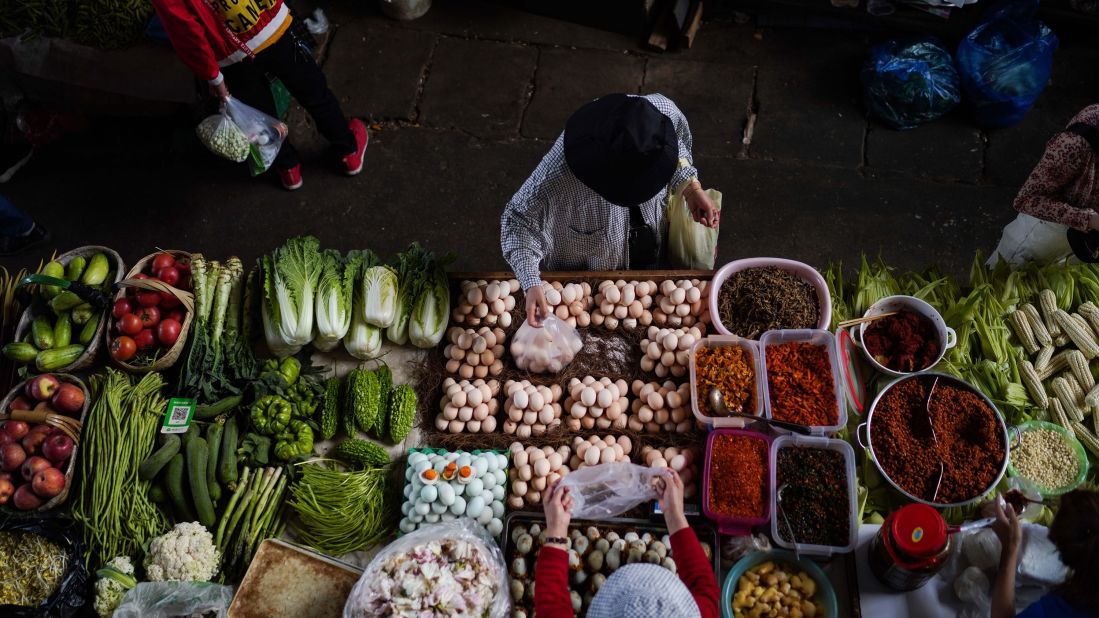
(177, 418)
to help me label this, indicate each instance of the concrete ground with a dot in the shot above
(470, 97)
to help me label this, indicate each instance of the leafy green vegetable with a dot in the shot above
(379, 296)
(334, 301)
(291, 274)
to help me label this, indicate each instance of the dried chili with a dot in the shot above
(738, 472)
(815, 503)
(728, 369)
(800, 383)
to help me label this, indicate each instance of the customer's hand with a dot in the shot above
(558, 506)
(537, 307)
(671, 501)
(219, 92)
(1007, 525)
(701, 206)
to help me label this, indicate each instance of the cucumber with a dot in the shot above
(213, 437)
(63, 330)
(76, 268)
(88, 332)
(96, 272)
(198, 454)
(227, 464)
(52, 360)
(191, 433)
(20, 352)
(159, 458)
(42, 333)
(173, 482)
(207, 412)
(82, 313)
(56, 270)
(157, 493)
(64, 301)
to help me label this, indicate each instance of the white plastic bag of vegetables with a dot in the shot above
(265, 134)
(691, 244)
(223, 137)
(546, 349)
(456, 567)
(609, 490)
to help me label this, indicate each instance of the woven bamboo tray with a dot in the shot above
(170, 357)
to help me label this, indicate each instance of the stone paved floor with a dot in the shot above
(470, 97)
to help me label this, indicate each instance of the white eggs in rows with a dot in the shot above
(530, 409)
(570, 302)
(468, 406)
(462, 484)
(685, 461)
(661, 407)
(681, 303)
(534, 470)
(622, 304)
(667, 351)
(599, 450)
(488, 303)
(474, 353)
(596, 404)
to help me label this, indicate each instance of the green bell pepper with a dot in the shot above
(304, 399)
(296, 440)
(271, 414)
(287, 368)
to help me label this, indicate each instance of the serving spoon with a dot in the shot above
(717, 404)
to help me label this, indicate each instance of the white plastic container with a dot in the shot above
(715, 341)
(814, 337)
(804, 271)
(947, 337)
(841, 446)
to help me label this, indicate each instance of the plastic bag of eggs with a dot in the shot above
(683, 460)
(531, 409)
(619, 304)
(545, 349)
(534, 469)
(474, 353)
(596, 450)
(667, 351)
(682, 303)
(570, 302)
(596, 404)
(660, 407)
(468, 406)
(445, 486)
(485, 302)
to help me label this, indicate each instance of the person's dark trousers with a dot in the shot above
(248, 81)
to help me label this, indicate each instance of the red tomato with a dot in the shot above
(169, 275)
(145, 340)
(122, 306)
(129, 324)
(148, 298)
(168, 300)
(167, 332)
(141, 276)
(185, 283)
(163, 260)
(175, 314)
(150, 316)
(123, 348)
(184, 265)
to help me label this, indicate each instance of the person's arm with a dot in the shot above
(685, 179)
(551, 572)
(1007, 528)
(691, 564)
(1042, 194)
(523, 238)
(188, 38)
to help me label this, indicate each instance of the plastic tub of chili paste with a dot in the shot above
(822, 338)
(728, 454)
(816, 490)
(751, 349)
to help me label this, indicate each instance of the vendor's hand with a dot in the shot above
(701, 206)
(1006, 525)
(537, 307)
(220, 92)
(671, 501)
(1093, 221)
(558, 506)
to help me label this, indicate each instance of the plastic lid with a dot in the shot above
(918, 530)
(850, 365)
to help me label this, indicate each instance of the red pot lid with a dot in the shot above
(851, 365)
(918, 530)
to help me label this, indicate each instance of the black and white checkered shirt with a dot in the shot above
(556, 221)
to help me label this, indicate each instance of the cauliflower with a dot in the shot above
(114, 580)
(184, 553)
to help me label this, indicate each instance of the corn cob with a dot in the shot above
(1047, 300)
(1095, 419)
(1080, 369)
(1088, 439)
(1061, 340)
(1064, 394)
(1044, 356)
(1057, 414)
(1091, 399)
(1090, 313)
(1034, 385)
(1021, 325)
(1041, 333)
(1080, 336)
(1056, 364)
(1074, 388)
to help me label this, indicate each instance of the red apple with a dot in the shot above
(16, 429)
(5, 438)
(20, 403)
(33, 440)
(43, 406)
(32, 466)
(48, 482)
(11, 457)
(6, 490)
(57, 447)
(42, 387)
(25, 500)
(68, 398)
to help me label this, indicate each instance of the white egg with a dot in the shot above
(679, 295)
(501, 464)
(459, 506)
(497, 508)
(431, 518)
(608, 455)
(489, 481)
(587, 397)
(421, 466)
(480, 465)
(429, 493)
(542, 467)
(416, 458)
(605, 398)
(422, 508)
(438, 507)
(678, 462)
(591, 457)
(415, 517)
(495, 527)
(446, 494)
(521, 458)
(555, 460)
(474, 488)
(475, 506)
(498, 493)
(536, 401)
(519, 399)
(407, 526)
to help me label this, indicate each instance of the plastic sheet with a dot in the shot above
(546, 349)
(265, 134)
(609, 490)
(169, 599)
(909, 84)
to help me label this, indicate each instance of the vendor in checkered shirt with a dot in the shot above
(597, 199)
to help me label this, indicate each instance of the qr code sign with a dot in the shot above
(179, 414)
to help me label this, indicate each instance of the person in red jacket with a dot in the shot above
(240, 45)
(634, 590)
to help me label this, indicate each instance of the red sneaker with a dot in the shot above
(291, 178)
(353, 163)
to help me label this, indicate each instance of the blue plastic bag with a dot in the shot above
(1006, 62)
(908, 84)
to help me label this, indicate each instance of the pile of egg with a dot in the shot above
(571, 302)
(660, 407)
(445, 486)
(485, 302)
(618, 303)
(531, 409)
(468, 406)
(533, 470)
(684, 461)
(668, 350)
(539, 350)
(474, 353)
(596, 404)
(681, 303)
(596, 450)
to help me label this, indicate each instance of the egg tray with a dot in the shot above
(621, 525)
(397, 495)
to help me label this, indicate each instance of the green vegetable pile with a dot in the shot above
(374, 406)
(339, 511)
(108, 24)
(286, 402)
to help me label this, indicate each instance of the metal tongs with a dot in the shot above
(87, 293)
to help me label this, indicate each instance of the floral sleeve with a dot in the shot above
(1043, 194)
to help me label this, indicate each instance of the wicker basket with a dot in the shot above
(37, 417)
(38, 307)
(170, 357)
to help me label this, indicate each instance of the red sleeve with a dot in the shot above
(551, 584)
(188, 37)
(696, 572)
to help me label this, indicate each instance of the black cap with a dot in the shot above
(621, 147)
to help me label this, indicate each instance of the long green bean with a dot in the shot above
(339, 511)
